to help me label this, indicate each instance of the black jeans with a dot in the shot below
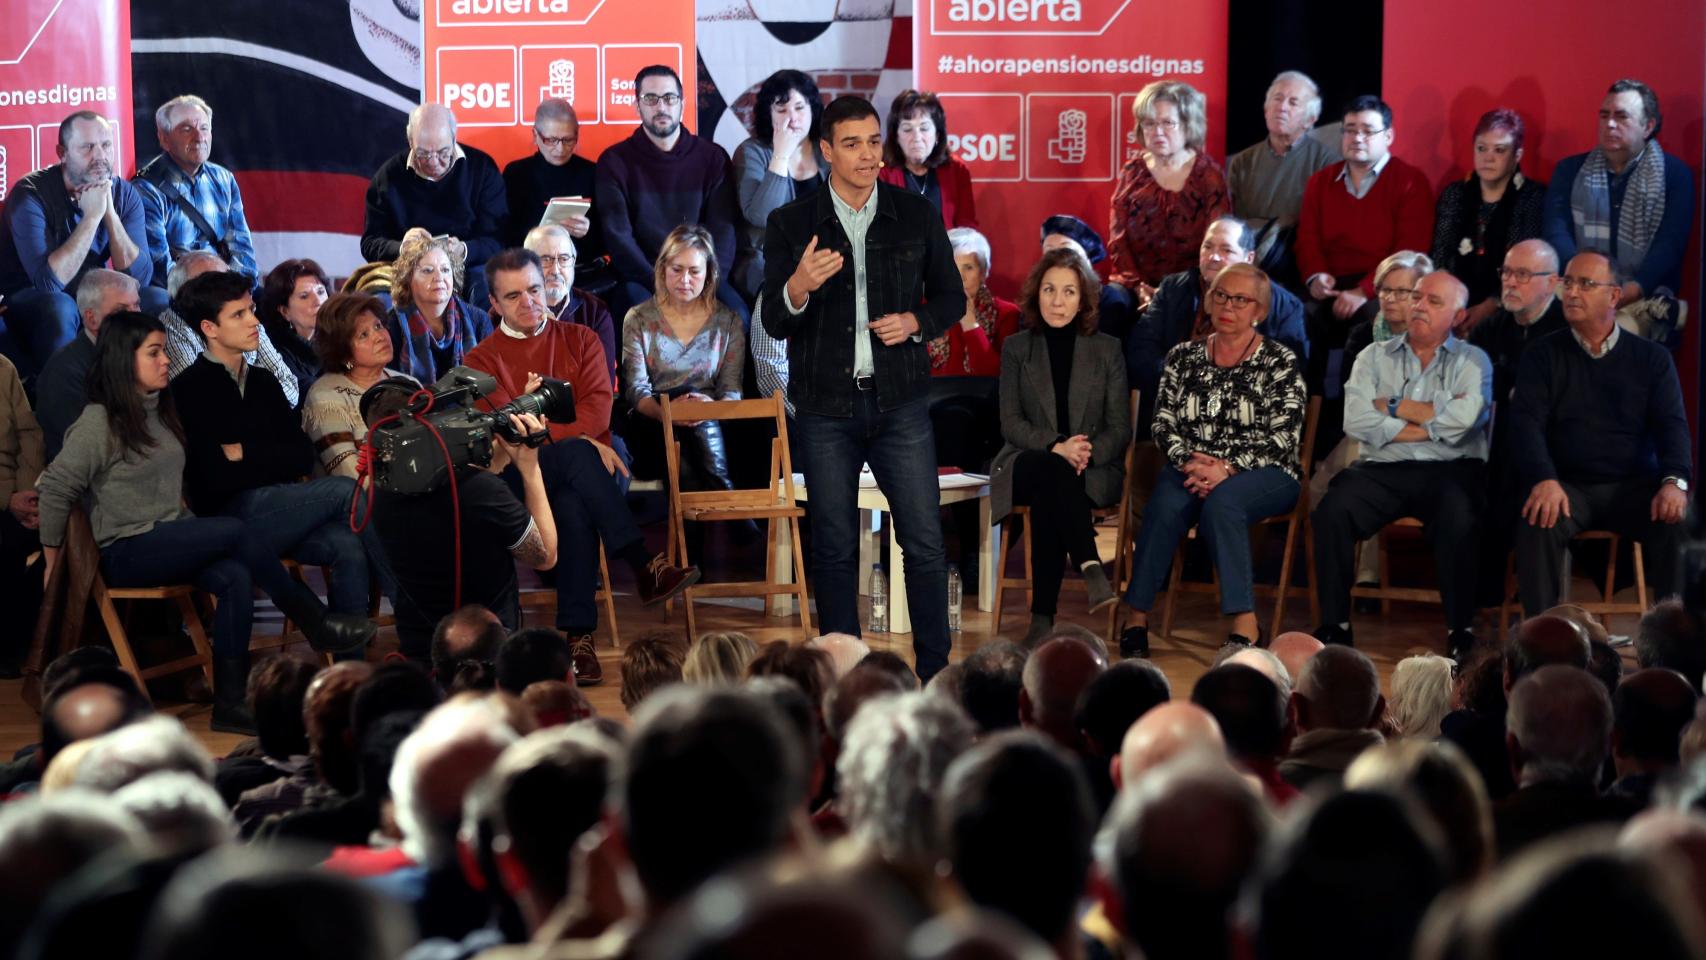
(1624, 508)
(1060, 522)
(1448, 497)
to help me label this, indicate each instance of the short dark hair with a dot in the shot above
(1367, 102)
(907, 104)
(989, 687)
(1115, 700)
(808, 667)
(775, 89)
(889, 662)
(72, 662)
(1089, 289)
(334, 337)
(71, 118)
(550, 789)
(396, 687)
(203, 297)
(1017, 820)
(133, 706)
(1670, 636)
(280, 284)
(277, 687)
(842, 109)
(1248, 706)
(532, 655)
(511, 260)
(1605, 663)
(684, 739)
(656, 70)
(650, 663)
(1650, 713)
(483, 647)
(1649, 100)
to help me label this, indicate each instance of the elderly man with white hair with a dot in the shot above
(893, 760)
(559, 262)
(441, 187)
(1267, 178)
(190, 202)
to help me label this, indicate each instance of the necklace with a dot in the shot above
(1216, 390)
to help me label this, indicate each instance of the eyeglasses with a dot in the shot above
(1221, 298)
(1168, 125)
(1398, 293)
(566, 260)
(653, 99)
(442, 156)
(1584, 284)
(1522, 276)
(559, 142)
(1358, 133)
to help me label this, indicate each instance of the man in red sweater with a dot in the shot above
(586, 479)
(1355, 214)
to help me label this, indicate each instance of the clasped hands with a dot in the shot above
(1203, 473)
(1075, 450)
(817, 266)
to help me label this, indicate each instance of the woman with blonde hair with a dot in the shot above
(718, 659)
(430, 326)
(1421, 696)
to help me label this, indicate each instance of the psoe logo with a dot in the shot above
(1038, 18)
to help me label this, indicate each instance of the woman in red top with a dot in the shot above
(972, 347)
(915, 157)
(1168, 193)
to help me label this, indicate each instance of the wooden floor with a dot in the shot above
(1198, 632)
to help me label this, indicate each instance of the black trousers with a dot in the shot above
(20, 586)
(1624, 508)
(1448, 497)
(1060, 522)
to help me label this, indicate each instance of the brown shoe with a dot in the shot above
(662, 581)
(587, 671)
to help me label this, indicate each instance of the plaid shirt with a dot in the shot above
(184, 345)
(213, 191)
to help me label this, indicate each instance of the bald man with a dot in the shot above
(1419, 405)
(1171, 730)
(1334, 710)
(1294, 649)
(1055, 675)
(442, 187)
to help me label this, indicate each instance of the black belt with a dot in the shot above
(865, 383)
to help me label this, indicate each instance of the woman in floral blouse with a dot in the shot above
(1229, 419)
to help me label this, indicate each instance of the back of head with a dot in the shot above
(733, 756)
(1017, 819)
(1248, 707)
(893, 759)
(845, 650)
(434, 768)
(754, 916)
(72, 662)
(1650, 710)
(860, 686)
(1115, 700)
(1542, 641)
(648, 664)
(152, 745)
(1560, 718)
(807, 666)
(1183, 842)
(1056, 675)
(718, 658)
(327, 710)
(1342, 689)
(551, 787)
(1258, 658)
(46, 839)
(183, 815)
(277, 687)
(472, 634)
(1670, 637)
(891, 663)
(1365, 854)
(1294, 650)
(554, 703)
(1606, 663)
(392, 688)
(789, 702)
(1170, 730)
(532, 655)
(264, 906)
(989, 687)
(1441, 779)
(87, 703)
(1421, 695)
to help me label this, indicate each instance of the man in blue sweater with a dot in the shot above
(1629, 199)
(657, 180)
(1600, 436)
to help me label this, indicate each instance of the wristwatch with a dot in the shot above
(1680, 483)
(1392, 406)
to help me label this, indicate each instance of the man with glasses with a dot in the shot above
(1418, 404)
(1600, 439)
(657, 180)
(1629, 199)
(442, 187)
(565, 298)
(555, 170)
(1356, 213)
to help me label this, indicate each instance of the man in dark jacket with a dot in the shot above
(857, 279)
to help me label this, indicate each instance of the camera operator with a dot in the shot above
(497, 530)
(586, 478)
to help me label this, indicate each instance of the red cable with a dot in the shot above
(364, 464)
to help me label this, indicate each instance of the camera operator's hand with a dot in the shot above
(612, 460)
(525, 458)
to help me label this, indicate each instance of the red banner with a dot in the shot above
(57, 57)
(494, 61)
(1038, 95)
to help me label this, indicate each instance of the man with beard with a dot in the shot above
(62, 222)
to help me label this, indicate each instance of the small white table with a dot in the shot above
(873, 508)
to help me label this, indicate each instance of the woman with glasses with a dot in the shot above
(1229, 421)
(1481, 216)
(1168, 193)
(916, 158)
(431, 327)
(778, 164)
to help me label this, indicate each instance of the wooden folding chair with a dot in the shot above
(1097, 514)
(1295, 520)
(547, 599)
(771, 503)
(1607, 603)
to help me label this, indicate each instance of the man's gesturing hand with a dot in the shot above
(892, 328)
(814, 268)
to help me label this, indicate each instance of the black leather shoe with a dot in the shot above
(1134, 642)
(341, 633)
(230, 687)
(1460, 646)
(1332, 633)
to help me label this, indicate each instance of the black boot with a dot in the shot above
(230, 687)
(711, 463)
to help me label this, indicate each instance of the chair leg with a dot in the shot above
(1030, 574)
(608, 596)
(1640, 577)
(800, 578)
(1001, 570)
(1610, 592)
(1284, 588)
(1309, 573)
(1385, 572)
(1173, 581)
(120, 641)
(198, 636)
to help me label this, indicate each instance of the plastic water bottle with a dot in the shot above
(879, 600)
(954, 594)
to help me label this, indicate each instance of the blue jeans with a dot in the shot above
(309, 523)
(899, 446)
(1223, 519)
(216, 554)
(588, 505)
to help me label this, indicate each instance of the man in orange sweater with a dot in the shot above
(586, 479)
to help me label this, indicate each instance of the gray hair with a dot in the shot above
(182, 814)
(1561, 719)
(429, 828)
(1419, 263)
(154, 745)
(555, 108)
(1313, 108)
(893, 761)
(45, 838)
(1246, 236)
(1342, 688)
(536, 237)
(163, 116)
(1421, 695)
(1240, 653)
(422, 113)
(180, 272)
(93, 289)
(968, 240)
(1193, 115)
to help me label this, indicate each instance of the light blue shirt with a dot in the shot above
(856, 223)
(1367, 181)
(1459, 384)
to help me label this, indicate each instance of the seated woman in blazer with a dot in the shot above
(1066, 421)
